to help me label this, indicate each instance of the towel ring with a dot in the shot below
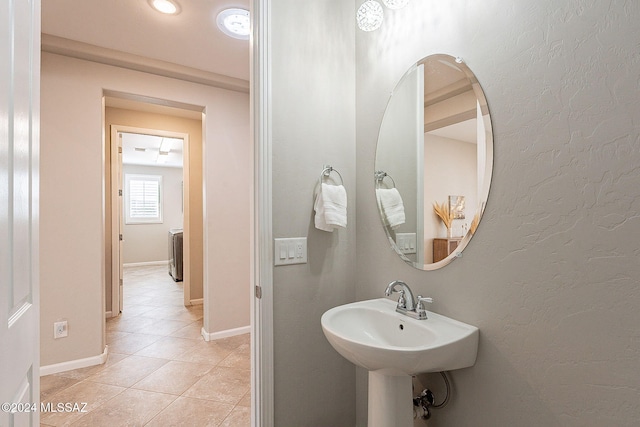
(327, 171)
(381, 175)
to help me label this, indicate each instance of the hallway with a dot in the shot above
(159, 370)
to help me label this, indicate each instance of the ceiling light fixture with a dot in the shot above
(370, 13)
(235, 23)
(166, 144)
(395, 4)
(169, 7)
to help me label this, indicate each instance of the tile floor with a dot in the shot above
(160, 372)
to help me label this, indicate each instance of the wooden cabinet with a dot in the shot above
(443, 247)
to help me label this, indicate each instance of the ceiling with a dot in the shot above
(191, 38)
(139, 149)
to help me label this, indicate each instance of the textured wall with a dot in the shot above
(313, 107)
(552, 276)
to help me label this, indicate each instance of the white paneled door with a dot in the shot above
(19, 148)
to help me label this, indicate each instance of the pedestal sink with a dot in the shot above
(393, 347)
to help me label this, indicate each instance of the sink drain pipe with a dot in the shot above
(426, 400)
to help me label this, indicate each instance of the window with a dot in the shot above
(143, 199)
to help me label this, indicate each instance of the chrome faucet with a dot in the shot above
(407, 303)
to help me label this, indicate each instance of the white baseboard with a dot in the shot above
(142, 264)
(75, 364)
(197, 301)
(224, 334)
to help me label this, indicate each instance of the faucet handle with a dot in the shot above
(420, 310)
(402, 301)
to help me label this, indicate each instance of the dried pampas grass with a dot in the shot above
(474, 224)
(444, 213)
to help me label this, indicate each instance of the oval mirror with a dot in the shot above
(434, 161)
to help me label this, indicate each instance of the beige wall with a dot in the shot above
(551, 276)
(72, 243)
(452, 164)
(141, 119)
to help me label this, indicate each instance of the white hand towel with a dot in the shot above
(335, 205)
(331, 207)
(319, 220)
(391, 206)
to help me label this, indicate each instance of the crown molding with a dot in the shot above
(88, 52)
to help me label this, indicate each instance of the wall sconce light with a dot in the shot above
(370, 13)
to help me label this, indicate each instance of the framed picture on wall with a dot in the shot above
(456, 206)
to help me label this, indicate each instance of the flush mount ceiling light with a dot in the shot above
(395, 4)
(169, 7)
(369, 15)
(235, 23)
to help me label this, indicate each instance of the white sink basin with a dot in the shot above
(373, 335)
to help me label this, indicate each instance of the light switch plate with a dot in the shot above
(290, 250)
(406, 242)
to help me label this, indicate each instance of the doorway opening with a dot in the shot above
(152, 207)
(143, 134)
(150, 196)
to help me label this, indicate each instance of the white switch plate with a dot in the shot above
(406, 242)
(291, 250)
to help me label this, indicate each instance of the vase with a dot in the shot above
(449, 232)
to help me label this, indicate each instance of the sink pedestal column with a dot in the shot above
(390, 401)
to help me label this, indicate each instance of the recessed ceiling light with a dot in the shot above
(169, 7)
(235, 23)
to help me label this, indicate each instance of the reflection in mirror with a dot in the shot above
(434, 161)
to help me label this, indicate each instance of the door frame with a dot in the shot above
(116, 211)
(262, 375)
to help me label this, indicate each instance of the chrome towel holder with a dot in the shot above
(381, 175)
(327, 171)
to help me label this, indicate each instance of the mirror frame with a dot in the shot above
(483, 194)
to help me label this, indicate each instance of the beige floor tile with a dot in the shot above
(232, 343)
(168, 347)
(129, 408)
(132, 343)
(164, 326)
(127, 372)
(227, 385)
(130, 324)
(237, 360)
(156, 323)
(189, 412)
(132, 310)
(173, 378)
(209, 353)
(191, 331)
(113, 334)
(85, 392)
(82, 373)
(239, 417)
(51, 384)
(246, 400)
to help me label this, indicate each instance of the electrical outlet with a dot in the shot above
(60, 329)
